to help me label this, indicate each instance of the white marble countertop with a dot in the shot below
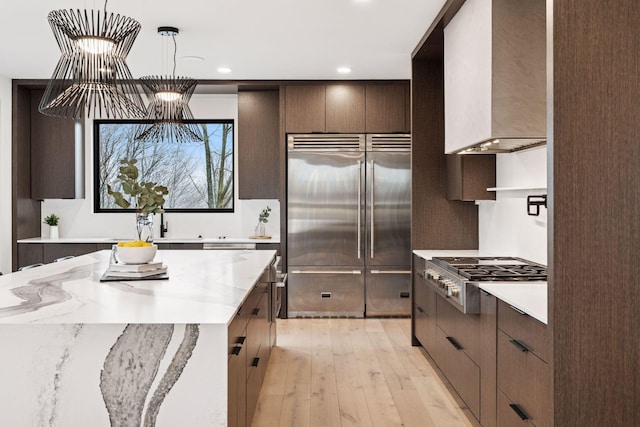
(273, 239)
(528, 297)
(203, 287)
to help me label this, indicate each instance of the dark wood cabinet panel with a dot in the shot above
(57, 250)
(268, 247)
(29, 253)
(237, 375)
(305, 108)
(488, 359)
(526, 380)
(345, 108)
(464, 328)
(52, 154)
(469, 176)
(386, 108)
(258, 144)
(460, 370)
(424, 299)
(530, 332)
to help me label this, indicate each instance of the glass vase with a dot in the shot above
(259, 230)
(144, 227)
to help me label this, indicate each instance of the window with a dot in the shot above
(199, 175)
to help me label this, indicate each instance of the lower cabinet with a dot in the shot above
(249, 351)
(32, 253)
(523, 372)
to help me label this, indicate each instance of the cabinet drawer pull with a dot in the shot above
(420, 309)
(256, 311)
(519, 345)
(255, 362)
(236, 350)
(405, 295)
(518, 410)
(454, 343)
(240, 340)
(325, 294)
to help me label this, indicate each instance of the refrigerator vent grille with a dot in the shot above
(327, 142)
(390, 142)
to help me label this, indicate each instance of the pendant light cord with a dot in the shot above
(175, 50)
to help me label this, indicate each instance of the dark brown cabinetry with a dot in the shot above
(249, 351)
(258, 147)
(52, 154)
(469, 176)
(488, 325)
(523, 372)
(345, 108)
(387, 108)
(305, 108)
(32, 253)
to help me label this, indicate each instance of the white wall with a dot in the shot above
(5, 174)
(77, 218)
(505, 229)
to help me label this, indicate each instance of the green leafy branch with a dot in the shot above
(264, 215)
(148, 196)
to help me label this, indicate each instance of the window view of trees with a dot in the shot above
(199, 175)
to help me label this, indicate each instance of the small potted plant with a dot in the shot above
(263, 218)
(52, 220)
(147, 198)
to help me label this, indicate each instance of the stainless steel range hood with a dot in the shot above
(495, 77)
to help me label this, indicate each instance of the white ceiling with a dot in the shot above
(257, 39)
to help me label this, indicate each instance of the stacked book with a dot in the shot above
(136, 271)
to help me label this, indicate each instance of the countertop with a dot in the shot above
(205, 287)
(528, 297)
(273, 239)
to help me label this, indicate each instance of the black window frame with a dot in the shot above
(96, 167)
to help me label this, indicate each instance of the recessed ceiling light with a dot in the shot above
(344, 70)
(192, 58)
(224, 70)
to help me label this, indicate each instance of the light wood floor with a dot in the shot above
(352, 372)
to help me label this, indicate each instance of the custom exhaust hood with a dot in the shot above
(495, 77)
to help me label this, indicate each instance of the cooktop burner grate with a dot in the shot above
(494, 268)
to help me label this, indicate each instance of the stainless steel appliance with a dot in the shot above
(349, 219)
(457, 279)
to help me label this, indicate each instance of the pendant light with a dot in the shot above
(92, 78)
(168, 112)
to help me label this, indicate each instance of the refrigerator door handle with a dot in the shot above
(390, 271)
(359, 222)
(326, 272)
(372, 204)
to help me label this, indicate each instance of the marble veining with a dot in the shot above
(171, 376)
(129, 370)
(203, 287)
(43, 292)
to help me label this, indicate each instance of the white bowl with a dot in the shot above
(136, 254)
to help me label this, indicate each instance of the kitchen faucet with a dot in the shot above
(164, 227)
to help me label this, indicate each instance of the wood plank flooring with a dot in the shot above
(352, 372)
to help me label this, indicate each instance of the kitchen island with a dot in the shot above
(78, 352)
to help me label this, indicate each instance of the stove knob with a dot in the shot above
(455, 291)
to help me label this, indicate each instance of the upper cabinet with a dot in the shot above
(53, 154)
(347, 108)
(258, 148)
(387, 107)
(495, 76)
(305, 108)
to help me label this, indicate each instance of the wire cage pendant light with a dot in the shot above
(92, 78)
(168, 114)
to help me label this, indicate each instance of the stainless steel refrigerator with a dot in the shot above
(349, 225)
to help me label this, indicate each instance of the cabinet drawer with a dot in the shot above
(460, 370)
(525, 379)
(423, 295)
(524, 328)
(419, 264)
(507, 416)
(425, 328)
(465, 328)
